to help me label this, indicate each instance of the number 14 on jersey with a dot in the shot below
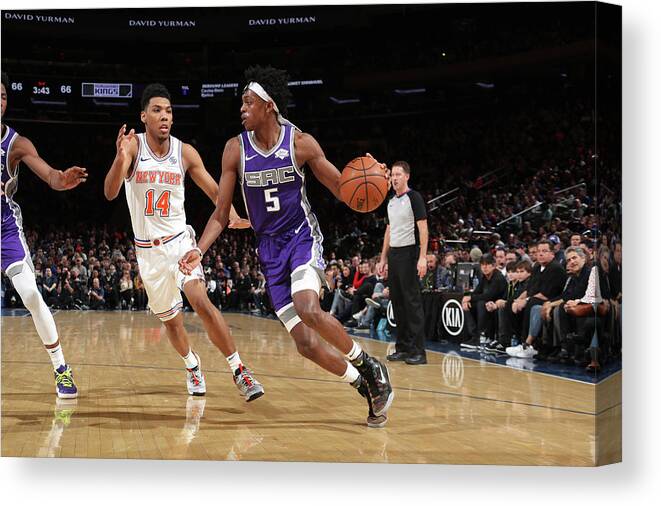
(162, 203)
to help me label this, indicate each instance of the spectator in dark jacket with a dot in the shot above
(546, 283)
(509, 324)
(578, 272)
(492, 286)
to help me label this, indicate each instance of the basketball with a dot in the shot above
(363, 184)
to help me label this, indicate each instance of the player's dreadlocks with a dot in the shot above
(274, 81)
(5, 80)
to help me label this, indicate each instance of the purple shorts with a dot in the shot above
(14, 249)
(281, 255)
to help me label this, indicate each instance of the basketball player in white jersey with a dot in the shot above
(152, 167)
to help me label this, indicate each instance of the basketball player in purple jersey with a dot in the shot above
(268, 160)
(16, 259)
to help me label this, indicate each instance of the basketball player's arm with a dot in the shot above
(24, 151)
(127, 150)
(220, 217)
(195, 167)
(309, 151)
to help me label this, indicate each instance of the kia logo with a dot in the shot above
(452, 316)
(390, 314)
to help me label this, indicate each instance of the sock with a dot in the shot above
(190, 360)
(351, 374)
(56, 356)
(234, 360)
(355, 352)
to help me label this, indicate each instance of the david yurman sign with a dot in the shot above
(301, 20)
(162, 23)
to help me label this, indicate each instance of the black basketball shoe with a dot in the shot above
(373, 421)
(378, 382)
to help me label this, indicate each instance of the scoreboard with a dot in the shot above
(192, 90)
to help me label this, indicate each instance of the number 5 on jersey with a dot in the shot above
(272, 201)
(162, 203)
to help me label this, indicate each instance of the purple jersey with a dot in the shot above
(14, 249)
(9, 174)
(273, 185)
(288, 235)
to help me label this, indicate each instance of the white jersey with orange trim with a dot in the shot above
(155, 192)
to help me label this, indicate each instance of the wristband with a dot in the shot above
(199, 251)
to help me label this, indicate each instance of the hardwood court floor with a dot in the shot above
(133, 403)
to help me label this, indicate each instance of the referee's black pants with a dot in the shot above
(406, 299)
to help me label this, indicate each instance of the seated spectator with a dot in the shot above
(327, 293)
(244, 289)
(258, 292)
(342, 298)
(212, 289)
(501, 260)
(377, 303)
(82, 269)
(491, 287)
(80, 297)
(126, 290)
(140, 294)
(546, 283)
(512, 256)
(578, 273)
(361, 288)
(49, 287)
(110, 283)
(615, 277)
(65, 290)
(97, 295)
(436, 275)
(558, 250)
(509, 324)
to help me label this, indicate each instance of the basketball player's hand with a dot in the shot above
(123, 140)
(422, 267)
(384, 167)
(189, 261)
(73, 176)
(239, 223)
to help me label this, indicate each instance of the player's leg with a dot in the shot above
(305, 288)
(317, 350)
(17, 265)
(220, 335)
(214, 324)
(164, 300)
(178, 337)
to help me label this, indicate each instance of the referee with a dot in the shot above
(405, 250)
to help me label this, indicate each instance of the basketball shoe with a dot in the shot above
(373, 421)
(378, 382)
(249, 387)
(195, 379)
(64, 385)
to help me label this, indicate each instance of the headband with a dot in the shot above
(258, 90)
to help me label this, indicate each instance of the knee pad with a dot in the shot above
(26, 286)
(288, 316)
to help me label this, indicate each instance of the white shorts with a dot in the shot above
(159, 268)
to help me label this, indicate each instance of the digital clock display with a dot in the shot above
(41, 88)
